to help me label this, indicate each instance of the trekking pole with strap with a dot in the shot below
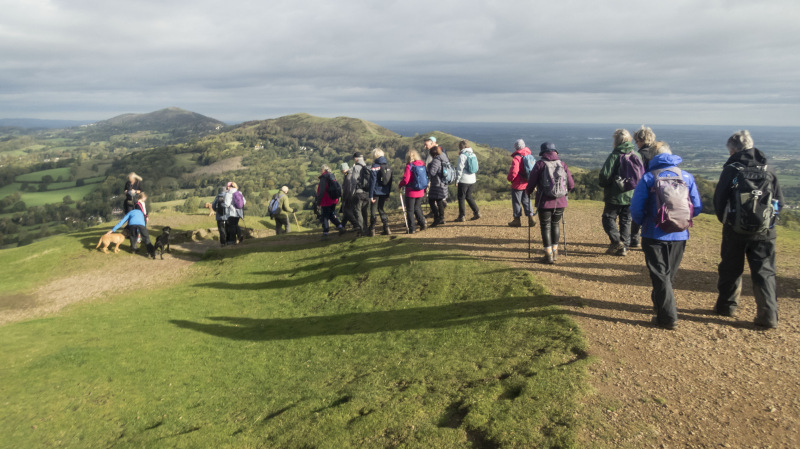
(564, 225)
(529, 242)
(403, 205)
(245, 226)
(295, 220)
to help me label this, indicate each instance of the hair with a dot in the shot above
(621, 136)
(234, 185)
(645, 135)
(377, 152)
(463, 144)
(661, 148)
(134, 176)
(435, 150)
(285, 189)
(325, 168)
(740, 140)
(142, 196)
(412, 156)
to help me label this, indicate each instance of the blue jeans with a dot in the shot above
(521, 200)
(329, 215)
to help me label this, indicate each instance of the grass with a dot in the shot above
(57, 196)
(372, 343)
(38, 175)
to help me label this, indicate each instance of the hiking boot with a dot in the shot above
(531, 221)
(765, 324)
(555, 255)
(460, 219)
(423, 226)
(547, 259)
(729, 312)
(340, 229)
(410, 231)
(622, 252)
(515, 223)
(634, 244)
(435, 223)
(386, 230)
(371, 231)
(615, 248)
(669, 326)
(477, 216)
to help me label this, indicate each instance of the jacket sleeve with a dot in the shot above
(434, 168)
(570, 181)
(513, 172)
(373, 179)
(604, 178)
(228, 200)
(124, 219)
(462, 162)
(694, 194)
(776, 188)
(723, 190)
(406, 176)
(640, 199)
(533, 178)
(321, 187)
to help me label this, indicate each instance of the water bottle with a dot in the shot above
(775, 218)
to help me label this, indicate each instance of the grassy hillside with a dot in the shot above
(368, 343)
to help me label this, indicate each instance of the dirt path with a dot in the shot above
(713, 382)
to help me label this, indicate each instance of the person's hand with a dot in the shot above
(373, 200)
(109, 233)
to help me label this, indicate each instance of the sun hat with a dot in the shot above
(547, 146)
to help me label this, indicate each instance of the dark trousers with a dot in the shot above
(634, 232)
(233, 231)
(521, 200)
(282, 225)
(610, 214)
(348, 212)
(465, 193)
(550, 221)
(437, 208)
(222, 226)
(361, 210)
(376, 209)
(663, 259)
(760, 256)
(329, 216)
(414, 210)
(141, 230)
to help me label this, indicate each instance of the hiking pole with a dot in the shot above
(295, 220)
(529, 242)
(564, 225)
(403, 205)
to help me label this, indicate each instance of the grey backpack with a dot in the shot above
(553, 181)
(674, 208)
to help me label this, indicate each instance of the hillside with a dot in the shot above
(169, 120)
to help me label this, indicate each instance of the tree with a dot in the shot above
(67, 200)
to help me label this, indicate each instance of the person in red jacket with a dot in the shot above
(415, 186)
(520, 200)
(325, 203)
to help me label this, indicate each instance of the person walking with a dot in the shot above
(325, 203)
(617, 199)
(380, 187)
(415, 181)
(135, 220)
(645, 140)
(745, 186)
(552, 181)
(347, 205)
(438, 191)
(218, 206)
(518, 177)
(465, 182)
(142, 206)
(360, 175)
(234, 203)
(664, 247)
(283, 223)
(133, 187)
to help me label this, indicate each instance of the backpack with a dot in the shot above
(448, 173)
(526, 165)
(419, 178)
(220, 205)
(238, 200)
(385, 175)
(362, 183)
(274, 204)
(334, 188)
(674, 208)
(553, 181)
(750, 209)
(472, 163)
(630, 171)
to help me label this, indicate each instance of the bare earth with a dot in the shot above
(713, 382)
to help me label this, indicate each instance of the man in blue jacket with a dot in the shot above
(136, 222)
(663, 251)
(379, 190)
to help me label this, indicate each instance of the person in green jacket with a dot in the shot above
(282, 222)
(618, 202)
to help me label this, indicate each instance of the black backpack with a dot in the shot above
(750, 209)
(385, 175)
(363, 178)
(334, 188)
(220, 205)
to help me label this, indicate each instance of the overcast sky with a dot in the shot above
(727, 62)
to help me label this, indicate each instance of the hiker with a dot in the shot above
(283, 224)
(234, 203)
(430, 142)
(327, 203)
(664, 208)
(553, 181)
(360, 176)
(380, 186)
(645, 140)
(746, 201)
(218, 206)
(617, 192)
(135, 220)
(465, 180)
(140, 205)
(133, 187)
(415, 181)
(346, 211)
(518, 177)
(437, 192)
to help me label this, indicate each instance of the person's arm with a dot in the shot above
(513, 172)
(373, 181)
(119, 224)
(434, 167)
(694, 194)
(460, 165)
(639, 201)
(321, 187)
(533, 178)
(604, 178)
(723, 190)
(570, 181)
(406, 176)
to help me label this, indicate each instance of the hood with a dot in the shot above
(418, 162)
(522, 152)
(662, 161)
(467, 150)
(381, 160)
(625, 147)
(753, 156)
(550, 156)
(360, 161)
(327, 174)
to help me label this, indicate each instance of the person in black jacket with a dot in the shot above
(133, 187)
(437, 192)
(759, 249)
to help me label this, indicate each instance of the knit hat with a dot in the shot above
(519, 144)
(357, 155)
(431, 138)
(547, 146)
(345, 167)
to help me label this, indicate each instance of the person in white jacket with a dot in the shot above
(234, 213)
(465, 181)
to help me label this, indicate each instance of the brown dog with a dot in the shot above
(107, 239)
(211, 211)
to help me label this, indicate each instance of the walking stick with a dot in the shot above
(529, 242)
(295, 221)
(403, 205)
(564, 225)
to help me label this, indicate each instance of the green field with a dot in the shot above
(368, 343)
(50, 197)
(38, 175)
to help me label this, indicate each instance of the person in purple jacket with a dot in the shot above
(550, 210)
(663, 251)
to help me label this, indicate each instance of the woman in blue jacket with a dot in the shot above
(137, 223)
(663, 251)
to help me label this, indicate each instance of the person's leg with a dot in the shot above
(132, 236)
(434, 211)
(526, 203)
(278, 226)
(761, 258)
(221, 226)
(357, 216)
(729, 283)
(381, 209)
(545, 217)
(442, 205)
(334, 219)
(462, 195)
(411, 212)
(471, 201)
(287, 225)
(230, 230)
(634, 234)
(516, 203)
(420, 215)
(657, 258)
(625, 225)
(325, 212)
(555, 229)
(373, 214)
(609, 219)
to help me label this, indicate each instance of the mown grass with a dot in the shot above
(38, 175)
(371, 343)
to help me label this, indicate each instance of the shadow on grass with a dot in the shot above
(436, 317)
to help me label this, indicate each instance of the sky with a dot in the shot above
(713, 62)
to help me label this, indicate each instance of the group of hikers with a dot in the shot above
(649, 203)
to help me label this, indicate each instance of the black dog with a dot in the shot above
(162, 242)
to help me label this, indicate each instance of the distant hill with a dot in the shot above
(35, 123)
(170, 120)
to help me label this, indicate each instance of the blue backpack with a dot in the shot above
(274, 205)
(419, 178)
(472, 163)
(526, 165)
